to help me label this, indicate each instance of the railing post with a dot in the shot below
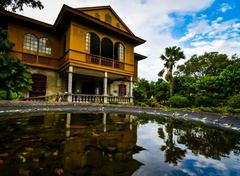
(105, 100)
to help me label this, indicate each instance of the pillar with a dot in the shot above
(131, 89)
(70, 79)
(105, 88)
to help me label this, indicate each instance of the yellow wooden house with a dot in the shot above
(88, 54)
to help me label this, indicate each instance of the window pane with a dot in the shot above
(30, 42)
(44, 46)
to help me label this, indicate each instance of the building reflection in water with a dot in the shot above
(100, 144)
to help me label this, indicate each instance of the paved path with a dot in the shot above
(213, 119)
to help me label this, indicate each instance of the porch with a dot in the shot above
(91, 86)
(81, 85)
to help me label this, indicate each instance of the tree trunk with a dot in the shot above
(171, 88)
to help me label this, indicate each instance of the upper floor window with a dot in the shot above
(88, 40)
(44, 46)
(108, 19)
(121, 52)
(30, 42)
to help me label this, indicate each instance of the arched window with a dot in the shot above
(108, 19)
(122, 91)
(92, 43)
(107, 48)
(119, 52)
(44, 46)
(39, 85)
(30, 42)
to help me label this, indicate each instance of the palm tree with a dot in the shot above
(172, 55)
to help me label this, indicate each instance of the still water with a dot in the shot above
(114, 144)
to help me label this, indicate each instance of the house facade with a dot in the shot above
(88, 54)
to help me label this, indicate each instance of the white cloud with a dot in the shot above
(225, 7)
(149, 20)
(218, 35)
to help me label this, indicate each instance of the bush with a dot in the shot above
(204, 101)
(152, 102)
(178, 101)
(234, 101)
(3, 95)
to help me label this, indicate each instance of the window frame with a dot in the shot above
(44, 46)
(30, 42)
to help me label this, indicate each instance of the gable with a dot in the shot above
(107, 15)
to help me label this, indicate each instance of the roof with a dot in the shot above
(139, 56)
(12, 15)
(103, 8)
(77, 14)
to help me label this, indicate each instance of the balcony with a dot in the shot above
(93, 59)
(78, 58)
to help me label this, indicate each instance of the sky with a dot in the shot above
(197, 26)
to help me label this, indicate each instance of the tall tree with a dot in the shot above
(171, 56)
(208, 64)
(15, 77)
(18, 4)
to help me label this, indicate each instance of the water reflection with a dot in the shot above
(114, 144)
(187, 149)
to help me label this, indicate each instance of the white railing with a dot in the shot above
(81, 98)
(116, 99)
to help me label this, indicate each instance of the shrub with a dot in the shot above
(152, 102)
(3, 95)
(234, 101)
(178, 101)
(203, 101)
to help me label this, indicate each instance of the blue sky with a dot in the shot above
(222, 13)
(197, 26)
(221, 8)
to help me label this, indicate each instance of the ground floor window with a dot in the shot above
(39, 85)
(122, 90)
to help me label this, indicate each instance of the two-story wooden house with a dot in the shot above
(88, 53)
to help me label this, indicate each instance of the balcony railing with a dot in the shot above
(98, 60)
(51, 62)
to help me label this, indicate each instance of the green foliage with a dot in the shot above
(229, 80)
(234, 101)
(203, 100)
(184, 85)
(3, 95)
(149, 93)
(178, 101)
(141, 90)
(211, 64)
(18, 4)
(161, 91)
(152, 102)
(15, 77)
